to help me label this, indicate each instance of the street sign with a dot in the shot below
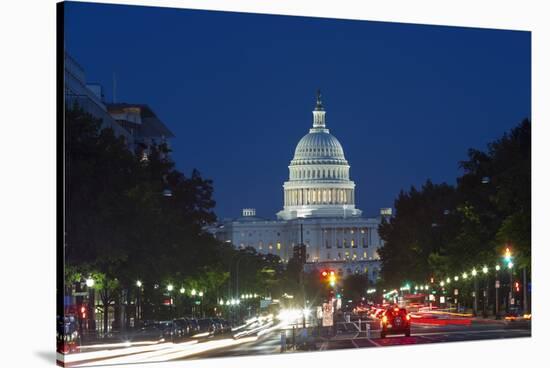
(432, 297)
(441, 299)
(497, 284)
(512, 301)
(456, 291)
(319, 312)
(327, 314)
(80, 293)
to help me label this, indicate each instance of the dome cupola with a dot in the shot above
(319, 184)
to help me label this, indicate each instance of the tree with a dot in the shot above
(119, 225)
(355, 286)
(440, 229)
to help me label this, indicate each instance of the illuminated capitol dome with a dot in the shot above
(319, 183)
(318, 212)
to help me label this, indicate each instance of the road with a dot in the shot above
(270, 343)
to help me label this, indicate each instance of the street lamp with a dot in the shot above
(485, 269)
(456, 278)
(448, 280)
(193, 292)
(90, 282)
(182, 290)
(139, 284)
(474, 273)
(464, 275)
(170, 287)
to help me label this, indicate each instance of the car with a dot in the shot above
(182, 329)
(68, 337)
(194, 327)
(221, 326)
(207, 325)
(395, 320)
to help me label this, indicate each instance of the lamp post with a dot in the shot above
(510, 295)
(170, 288)
(497, 286)
(139, 284)
(90, 282)
(474, 273)
(485, 270)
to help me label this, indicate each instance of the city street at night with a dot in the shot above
(267, 340)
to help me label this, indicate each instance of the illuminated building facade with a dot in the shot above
(318, 211)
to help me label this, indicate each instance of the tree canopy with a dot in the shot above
(441, 229)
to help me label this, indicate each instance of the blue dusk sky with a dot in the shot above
(405, 101)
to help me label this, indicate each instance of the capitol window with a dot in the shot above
(353, 243)
(278, 245)
(364, 242)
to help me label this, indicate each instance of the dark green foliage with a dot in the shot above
(441, 230)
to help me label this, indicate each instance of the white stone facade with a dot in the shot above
(318, 210)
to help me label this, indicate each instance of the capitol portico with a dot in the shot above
(318, 211)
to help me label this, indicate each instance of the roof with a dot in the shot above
(151, 125)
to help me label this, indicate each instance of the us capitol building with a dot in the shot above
(319, 211)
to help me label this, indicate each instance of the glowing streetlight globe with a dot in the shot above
(182, 290)
(448, 280)
(442, 283)
(90, 282)
(201, 294)
(474, 272)
(464, 275)
(138, 283)
(497, 267)
(485, 269)
(193, 292)
(456, 278)
(170, 287)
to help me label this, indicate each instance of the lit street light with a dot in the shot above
(170, 287)
(90, 282)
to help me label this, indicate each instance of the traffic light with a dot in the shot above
(507, 254)
(83, 312)
(329, 276)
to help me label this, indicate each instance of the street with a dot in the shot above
(268, 341)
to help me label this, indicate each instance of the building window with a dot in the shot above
(353, 243)
(346, 243)
(278, 245)
(327, 244)
(364, 242)
(365, 255)
(339, 255)
(328, 255)
(338, 245)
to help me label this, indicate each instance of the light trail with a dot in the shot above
(102, 354)
(201, 348)
(125, 344)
